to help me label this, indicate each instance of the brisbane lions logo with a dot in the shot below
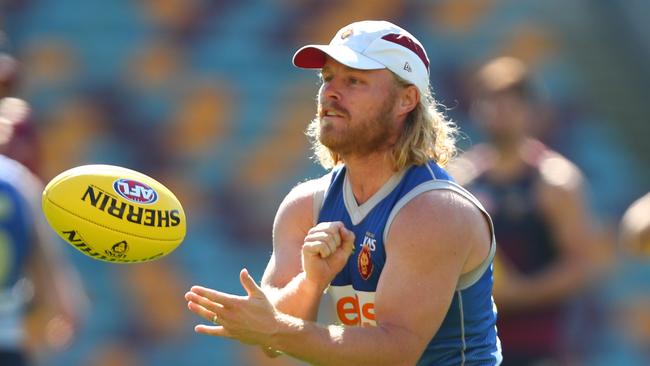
(364, 262)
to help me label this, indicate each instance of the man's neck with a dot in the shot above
(368, 174)
(509, 162)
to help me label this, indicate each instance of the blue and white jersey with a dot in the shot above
(19, 212)
(467, 335)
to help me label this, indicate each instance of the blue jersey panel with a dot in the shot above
(14, 234)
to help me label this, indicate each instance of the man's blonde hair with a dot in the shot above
(427, 135)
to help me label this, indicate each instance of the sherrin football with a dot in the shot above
(114, 214)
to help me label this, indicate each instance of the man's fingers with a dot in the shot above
(213, 330)
(249, 283)
(215, 296)
(334, 241)
(347, 240)
(330, 243)
(323, 249)
(321, 226)
(327, 235)
(317, 248)
(331, 238)
(326, 238)
(346, 234)
(203, 307)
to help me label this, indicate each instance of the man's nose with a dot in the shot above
(330, 91)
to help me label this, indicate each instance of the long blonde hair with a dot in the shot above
(427, 135)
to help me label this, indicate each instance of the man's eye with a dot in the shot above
(353, 81)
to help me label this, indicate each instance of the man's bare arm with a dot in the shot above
(284, 280)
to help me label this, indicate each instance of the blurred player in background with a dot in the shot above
(632, 290)
(23, 145)
(8, 74)
(535, 196)
(405, 253)
(621, 334)
(40, 295)
(635, 229)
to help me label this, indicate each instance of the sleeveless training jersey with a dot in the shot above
(467, 335)
(525, 240)
(16, 228)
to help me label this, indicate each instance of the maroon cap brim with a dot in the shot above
(309, 57)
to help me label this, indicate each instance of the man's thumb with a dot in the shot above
(249, 283)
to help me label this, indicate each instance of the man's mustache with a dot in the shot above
(332, 106)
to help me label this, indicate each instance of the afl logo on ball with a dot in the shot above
(135, 191)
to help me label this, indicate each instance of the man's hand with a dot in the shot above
(325, 251)
(250, 319)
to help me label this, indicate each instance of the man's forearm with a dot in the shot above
(299, 298)
(338, 345)
(559, 281)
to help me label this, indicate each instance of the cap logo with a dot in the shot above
(407, 67)
(346, 33)
(405, 41)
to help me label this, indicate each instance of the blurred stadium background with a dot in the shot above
(201, 94)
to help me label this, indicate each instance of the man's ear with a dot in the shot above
(409, 99)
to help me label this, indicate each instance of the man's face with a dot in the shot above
(356, 109)
(504, 117)
(6, 130)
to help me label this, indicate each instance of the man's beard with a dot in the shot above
(363, 136)
(502, 138)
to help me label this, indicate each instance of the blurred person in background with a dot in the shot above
(630, 289)
(22, 146)
(405, 253)
(8, 74)
(41, 300)
(633, 314)
(545, 232)
(621, 333)
(635, 229)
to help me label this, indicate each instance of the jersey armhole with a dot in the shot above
(322, 185)
(468, 279)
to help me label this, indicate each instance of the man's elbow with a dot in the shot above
(406, 347)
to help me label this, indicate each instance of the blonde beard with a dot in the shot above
(365, 136)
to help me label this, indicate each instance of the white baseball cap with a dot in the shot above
(372, 45)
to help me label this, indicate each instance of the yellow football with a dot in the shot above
(114, 214)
